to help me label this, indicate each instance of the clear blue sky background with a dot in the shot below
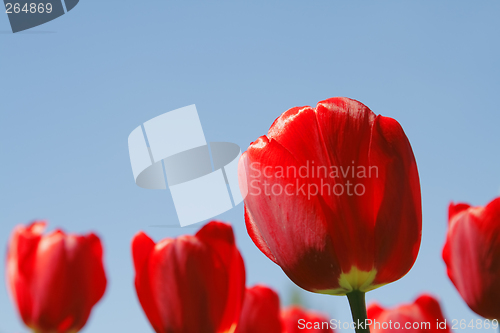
(73, 89)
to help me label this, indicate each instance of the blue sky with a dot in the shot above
(73, 89)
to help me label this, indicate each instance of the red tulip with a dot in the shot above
(472, 255)
(260, 312)
(424, 315)
(333, 197)
(297, 320)
(54, 279)
(190, 284)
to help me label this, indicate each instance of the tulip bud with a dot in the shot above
(54, 279)
(190, 284)
(260, 312)
(471, 254)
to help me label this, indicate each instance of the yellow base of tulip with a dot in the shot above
(231, 329)
(355, 279)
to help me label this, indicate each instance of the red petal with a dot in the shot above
(298, 238)
(261, 311)
(297, 320)
(424, 311)
(397, 201)
(454, 209)
(21, 257)
(142, 248)
(219, 236)
(430, 307)
(70, 279)
(88, 277)
(374, 311)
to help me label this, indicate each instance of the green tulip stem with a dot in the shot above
(358, 309)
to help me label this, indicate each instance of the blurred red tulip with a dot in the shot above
(297, 320)
(260, 312)
(424, 315)
(472, 255)
(333, 197)
(191, 284)
(55, 279)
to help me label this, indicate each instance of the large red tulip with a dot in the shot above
(472, 255)
(333, 197)
(297, 320)
(260, 312)
(190, 284)
(54, 279)
(424, 315)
